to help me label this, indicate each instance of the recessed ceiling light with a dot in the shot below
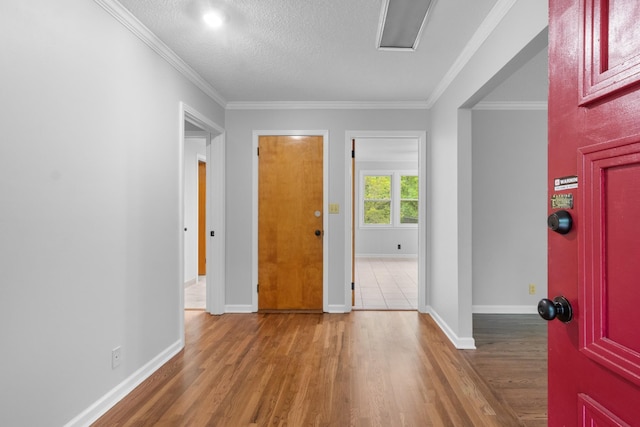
(214, 19)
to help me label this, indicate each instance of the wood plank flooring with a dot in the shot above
(511, 356)
(367, 368)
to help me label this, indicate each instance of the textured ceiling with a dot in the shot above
(310, 50)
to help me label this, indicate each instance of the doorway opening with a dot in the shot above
(386, 220)
(195, 220)
(194, 125)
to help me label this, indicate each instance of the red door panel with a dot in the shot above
(610, 59)
(593, 414)
(594, 134)
(611, 264)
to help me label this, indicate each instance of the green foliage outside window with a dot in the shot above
(377, 199)
(380, 199)
(408, 199)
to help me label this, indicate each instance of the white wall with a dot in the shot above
(384, 241)
(517, 38)
(239, 127)
(194, 150)
(509, 209)
(89, 206)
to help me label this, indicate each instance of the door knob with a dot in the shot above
(318, 232)
(560, 222)
(559, 308)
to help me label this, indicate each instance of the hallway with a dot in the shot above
(365, 368)
(195, 293)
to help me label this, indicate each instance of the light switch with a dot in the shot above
(334, 208)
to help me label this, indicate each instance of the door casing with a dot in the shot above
(215, 150)
(424, 229)
(325, 213)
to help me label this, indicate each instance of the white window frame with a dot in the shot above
(395, 197)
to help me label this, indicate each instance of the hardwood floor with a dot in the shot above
(367, 368)
(511, 356)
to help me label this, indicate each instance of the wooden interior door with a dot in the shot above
(594, 177)
(290, 223)
(202, 218)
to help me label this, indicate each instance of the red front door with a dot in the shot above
(594, 176)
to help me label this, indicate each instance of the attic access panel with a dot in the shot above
(401, 23)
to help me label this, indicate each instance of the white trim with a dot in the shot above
(106, 402)
(327, 105)
(215, 216)
(238, 308)
(461, 343)
(195, 134)
(511, 105)
(325, 210)
(505, 309)
(207, 166)
(424, 232)
(338, 308)
(216, 221)
(491, 21)
(130, 22)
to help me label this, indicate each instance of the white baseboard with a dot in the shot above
(106, 402)
(505, 309)
(386, 255)
(338, 308)
(238, 308)
(247, 308)
(461, 343)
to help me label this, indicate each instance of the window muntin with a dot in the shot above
(389, 198)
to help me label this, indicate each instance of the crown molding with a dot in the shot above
(327, 105)
(130, 22)
(511, 105)
(485, 29)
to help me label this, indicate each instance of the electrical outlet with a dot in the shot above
(532, 289)
(116, 357)
(399, 246)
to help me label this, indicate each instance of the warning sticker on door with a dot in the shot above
(565, 183)
(562, 201)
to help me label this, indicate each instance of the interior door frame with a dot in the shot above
(215, 150)
(325, 210)
(424, 227)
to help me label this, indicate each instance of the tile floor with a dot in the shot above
(386, 284)
(381, 284)
(194, 294)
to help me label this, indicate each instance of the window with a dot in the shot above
(408, 199)
(389, 199)
(377, 199)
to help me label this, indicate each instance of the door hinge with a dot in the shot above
(258, 151)
(213, 233)
(353, 154)
(258, 288)
(353, 286)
